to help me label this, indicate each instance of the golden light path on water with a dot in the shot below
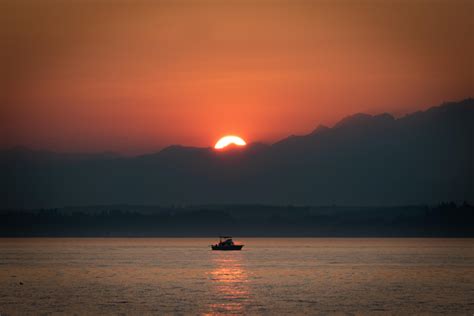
(229, 283)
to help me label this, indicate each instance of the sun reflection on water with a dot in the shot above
(229, 283)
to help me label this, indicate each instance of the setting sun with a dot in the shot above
(229, 140)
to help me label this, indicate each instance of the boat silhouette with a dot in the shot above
(226, 243)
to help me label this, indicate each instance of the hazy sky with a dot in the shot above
(133, 76)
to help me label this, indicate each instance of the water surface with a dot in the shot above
(270, 276)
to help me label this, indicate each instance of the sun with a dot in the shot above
(229, 140)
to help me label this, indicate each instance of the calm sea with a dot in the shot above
(269, 276)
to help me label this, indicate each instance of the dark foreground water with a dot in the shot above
(270, 276)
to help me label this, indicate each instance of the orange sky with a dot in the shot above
(134, 75)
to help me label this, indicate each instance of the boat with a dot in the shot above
(226, 243)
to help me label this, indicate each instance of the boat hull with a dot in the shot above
(227, 248)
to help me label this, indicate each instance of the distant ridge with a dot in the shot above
(423, 157)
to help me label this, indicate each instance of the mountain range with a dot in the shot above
(421, 158)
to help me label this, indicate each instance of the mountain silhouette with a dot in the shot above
(421, 158)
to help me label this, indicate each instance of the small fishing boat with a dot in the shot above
(226, 243)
